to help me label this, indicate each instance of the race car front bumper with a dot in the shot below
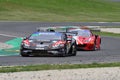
(43, 52)
(85, 46)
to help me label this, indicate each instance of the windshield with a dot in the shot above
(46, 36)
(84, 33)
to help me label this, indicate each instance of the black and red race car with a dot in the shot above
(48, 42)
(86, 40)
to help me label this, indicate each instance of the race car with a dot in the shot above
(44, 42)
(86, 40)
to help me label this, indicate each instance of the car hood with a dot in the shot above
(81, 39)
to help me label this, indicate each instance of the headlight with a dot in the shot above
(58, 46)
(55, 46)
(88, 40)
(26, 46)
(26, 43)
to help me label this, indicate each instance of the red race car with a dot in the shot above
(86, 40)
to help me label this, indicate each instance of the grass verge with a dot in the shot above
(107, 34)
(56, 66)
(60, 10)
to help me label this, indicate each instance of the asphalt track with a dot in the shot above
(110, 47)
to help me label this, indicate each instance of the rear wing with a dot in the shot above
(42, 29)
(58, 28)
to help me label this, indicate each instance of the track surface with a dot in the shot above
(110, 48)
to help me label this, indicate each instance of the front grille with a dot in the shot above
(81, 45)
(42, 43)
(40, 51)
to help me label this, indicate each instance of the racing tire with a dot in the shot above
(23, 54)
(73, 50)
(99, 48)
(65, 51)
(94, 47)
(100, 40)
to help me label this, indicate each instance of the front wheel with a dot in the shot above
(66, 51)
(73, 50)
(23, 54)
(94, 47)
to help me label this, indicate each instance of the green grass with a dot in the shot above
(107, 34)
(110, 26)
(59, 10)
(55, 66)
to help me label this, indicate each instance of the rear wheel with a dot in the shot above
(96, 44)
(96, 47)
(99, 44)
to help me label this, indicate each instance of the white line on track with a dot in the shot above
(3, 55)
(9, 35)
(10, 55)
